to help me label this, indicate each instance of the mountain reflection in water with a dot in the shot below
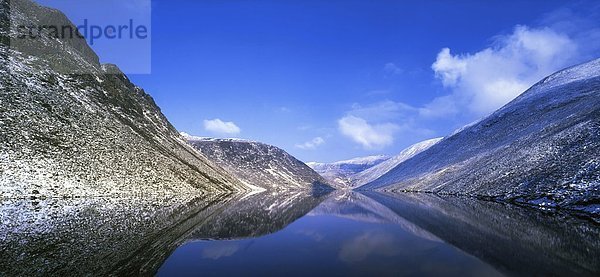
(292, 233)
(131, 236)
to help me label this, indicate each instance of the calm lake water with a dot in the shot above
(347, 235)
(293, 234)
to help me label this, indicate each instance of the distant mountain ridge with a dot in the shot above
(341, 173)
(379, 170)
(360, 171)
(541, 149)
(259, 165)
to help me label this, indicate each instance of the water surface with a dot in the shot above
(347, 235)
(292, 234)
(352, 234)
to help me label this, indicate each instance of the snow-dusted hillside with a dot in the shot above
(359, 171)
(542, 149)
(340, 173)
(371, 174)
(92, 134)
(259, 165)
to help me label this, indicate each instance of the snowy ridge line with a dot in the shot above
(258, 165)
(359, 171)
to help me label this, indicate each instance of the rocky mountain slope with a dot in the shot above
(341, 173)
(541, 149)
(89, 134)
(360, 171)
(258, 164)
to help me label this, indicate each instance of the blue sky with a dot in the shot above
(332, 80)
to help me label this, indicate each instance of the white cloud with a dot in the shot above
(480, 82)
(391, 69)
(313, 144)
(486, 80)
(370, 136)
(220, 127)
(449, 68)
(376, 125)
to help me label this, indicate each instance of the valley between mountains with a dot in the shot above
(99, 135)
(96, 181)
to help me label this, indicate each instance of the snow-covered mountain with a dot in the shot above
(259, 165)
(89, 134)
(340, 173)
(541, 149)
(359, 171)
(371, 174)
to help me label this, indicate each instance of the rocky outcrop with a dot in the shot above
(260, 165)
(89, 134)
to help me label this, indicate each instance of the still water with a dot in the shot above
(350, 235)
(293, 234)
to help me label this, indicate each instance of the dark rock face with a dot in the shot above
(541, 149)
(70, 53)
(260, 165)
(93, 134)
